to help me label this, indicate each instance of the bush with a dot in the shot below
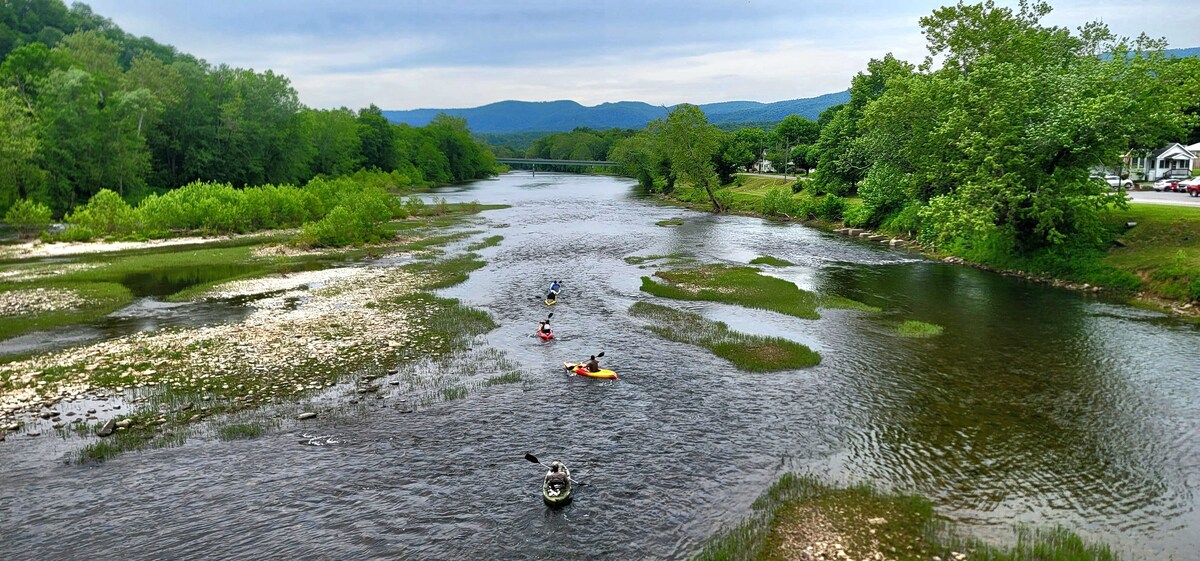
(28, 218)
(908, 220)
(355, 223)
(415, 206)
(855, 216)
(884, 191)
(798, 186)
(105, 214)
(777, 201)
(724, 198)
(831, 207)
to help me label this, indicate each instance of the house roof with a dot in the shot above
(1183, 152)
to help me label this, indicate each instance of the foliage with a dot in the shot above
(831, 207)
(28, 218)
(778, 202)
(353, 222)
(690, 144)
(772, 261)
(105, 214)
(86, 107)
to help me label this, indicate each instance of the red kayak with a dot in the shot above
(545, 336)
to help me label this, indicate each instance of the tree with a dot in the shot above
(378, 139)
(793, 130)
(691, 143)
(336, 146)
(19, 174)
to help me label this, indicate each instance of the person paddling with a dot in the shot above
(593, 365)
(544, 326)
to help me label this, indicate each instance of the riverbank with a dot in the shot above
(1153, 258)
(317, 319)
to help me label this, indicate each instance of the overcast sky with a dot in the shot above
(403, 54)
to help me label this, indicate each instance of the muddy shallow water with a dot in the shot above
(1035, 405)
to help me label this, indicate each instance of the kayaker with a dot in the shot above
(557, 476)
(593, 365)
(555, 286)
(552, 296)
(544, 326)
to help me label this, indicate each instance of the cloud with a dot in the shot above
(409, 53)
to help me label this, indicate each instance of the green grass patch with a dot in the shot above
(671, 258)
(1162, 250)
(772, 261)
(743, 286)
(506, 378)
(751, 353)
(241, 431)
(446, 272)
(800, 511)
(913, 328)
(101, 298)
(486, 243)
(454, 392)
(671, 222)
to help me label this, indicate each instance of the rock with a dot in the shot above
(876, 521)
(108, 428)
(853, 231)
(116, 407)
(91, 411)
(897, 242)
(59, 425)
(304, 416)
(394, 383)
(1130, 224)
(1119, 242)
(194, 418)
(45, 415)
(124, 423)
(878, 238)
(34, 433)
(185, 407)
(1, 436)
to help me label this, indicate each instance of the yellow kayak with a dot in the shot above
(582, 370)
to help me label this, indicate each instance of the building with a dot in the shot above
(1175, 160)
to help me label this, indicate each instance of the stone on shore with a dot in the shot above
(305, 416)
(108, 428)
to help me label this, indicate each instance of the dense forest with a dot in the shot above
(986, 149)
(85, 107)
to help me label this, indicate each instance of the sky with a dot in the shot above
(404, 54)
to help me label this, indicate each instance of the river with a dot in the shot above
(1036, 405)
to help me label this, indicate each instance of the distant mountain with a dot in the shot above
(527, 116)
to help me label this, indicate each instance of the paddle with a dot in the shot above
(601, 355)
(534, 459)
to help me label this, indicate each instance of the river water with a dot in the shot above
(1036, 405)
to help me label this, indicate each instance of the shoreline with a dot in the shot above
(1143, 299)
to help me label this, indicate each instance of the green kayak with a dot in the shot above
(557, 493)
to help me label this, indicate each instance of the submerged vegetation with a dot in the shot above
(751, 353)
(743, 286)
(912, 328)
(772, 261)
(800, 517)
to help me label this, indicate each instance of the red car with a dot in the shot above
(1192, 186)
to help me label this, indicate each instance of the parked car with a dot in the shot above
(1191, 186)
(1115, 181)
(1166, 185)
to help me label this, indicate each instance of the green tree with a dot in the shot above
(19, 174)
(336, 146)
(691, 144)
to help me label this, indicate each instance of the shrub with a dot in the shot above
(855, 215)
(777, 201)
(798, 186)
(355, 223)
(724, 198)
(28, 218)
(884, 191)
(105, 214)
(831, 207)
(415, 206)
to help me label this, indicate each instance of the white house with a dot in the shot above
(1195, 149)
(1175, 160)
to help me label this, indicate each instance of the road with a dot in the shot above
(1164, 198)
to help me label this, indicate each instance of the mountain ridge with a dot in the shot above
(512, 116)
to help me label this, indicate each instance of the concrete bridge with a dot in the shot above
(535, 162)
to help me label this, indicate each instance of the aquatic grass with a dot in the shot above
(506, 378)
(743, 286)
(671, 222)
(799, 512)
(241, 431)
(772, 261)
(673, 258)
(751, 353)
(486, 243)
(454, 392)
(446, 272)
(913, 328)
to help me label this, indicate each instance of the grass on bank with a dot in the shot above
(913, 328)
(799, 512)
(743, 286)
(751, 353)
(772, 261)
